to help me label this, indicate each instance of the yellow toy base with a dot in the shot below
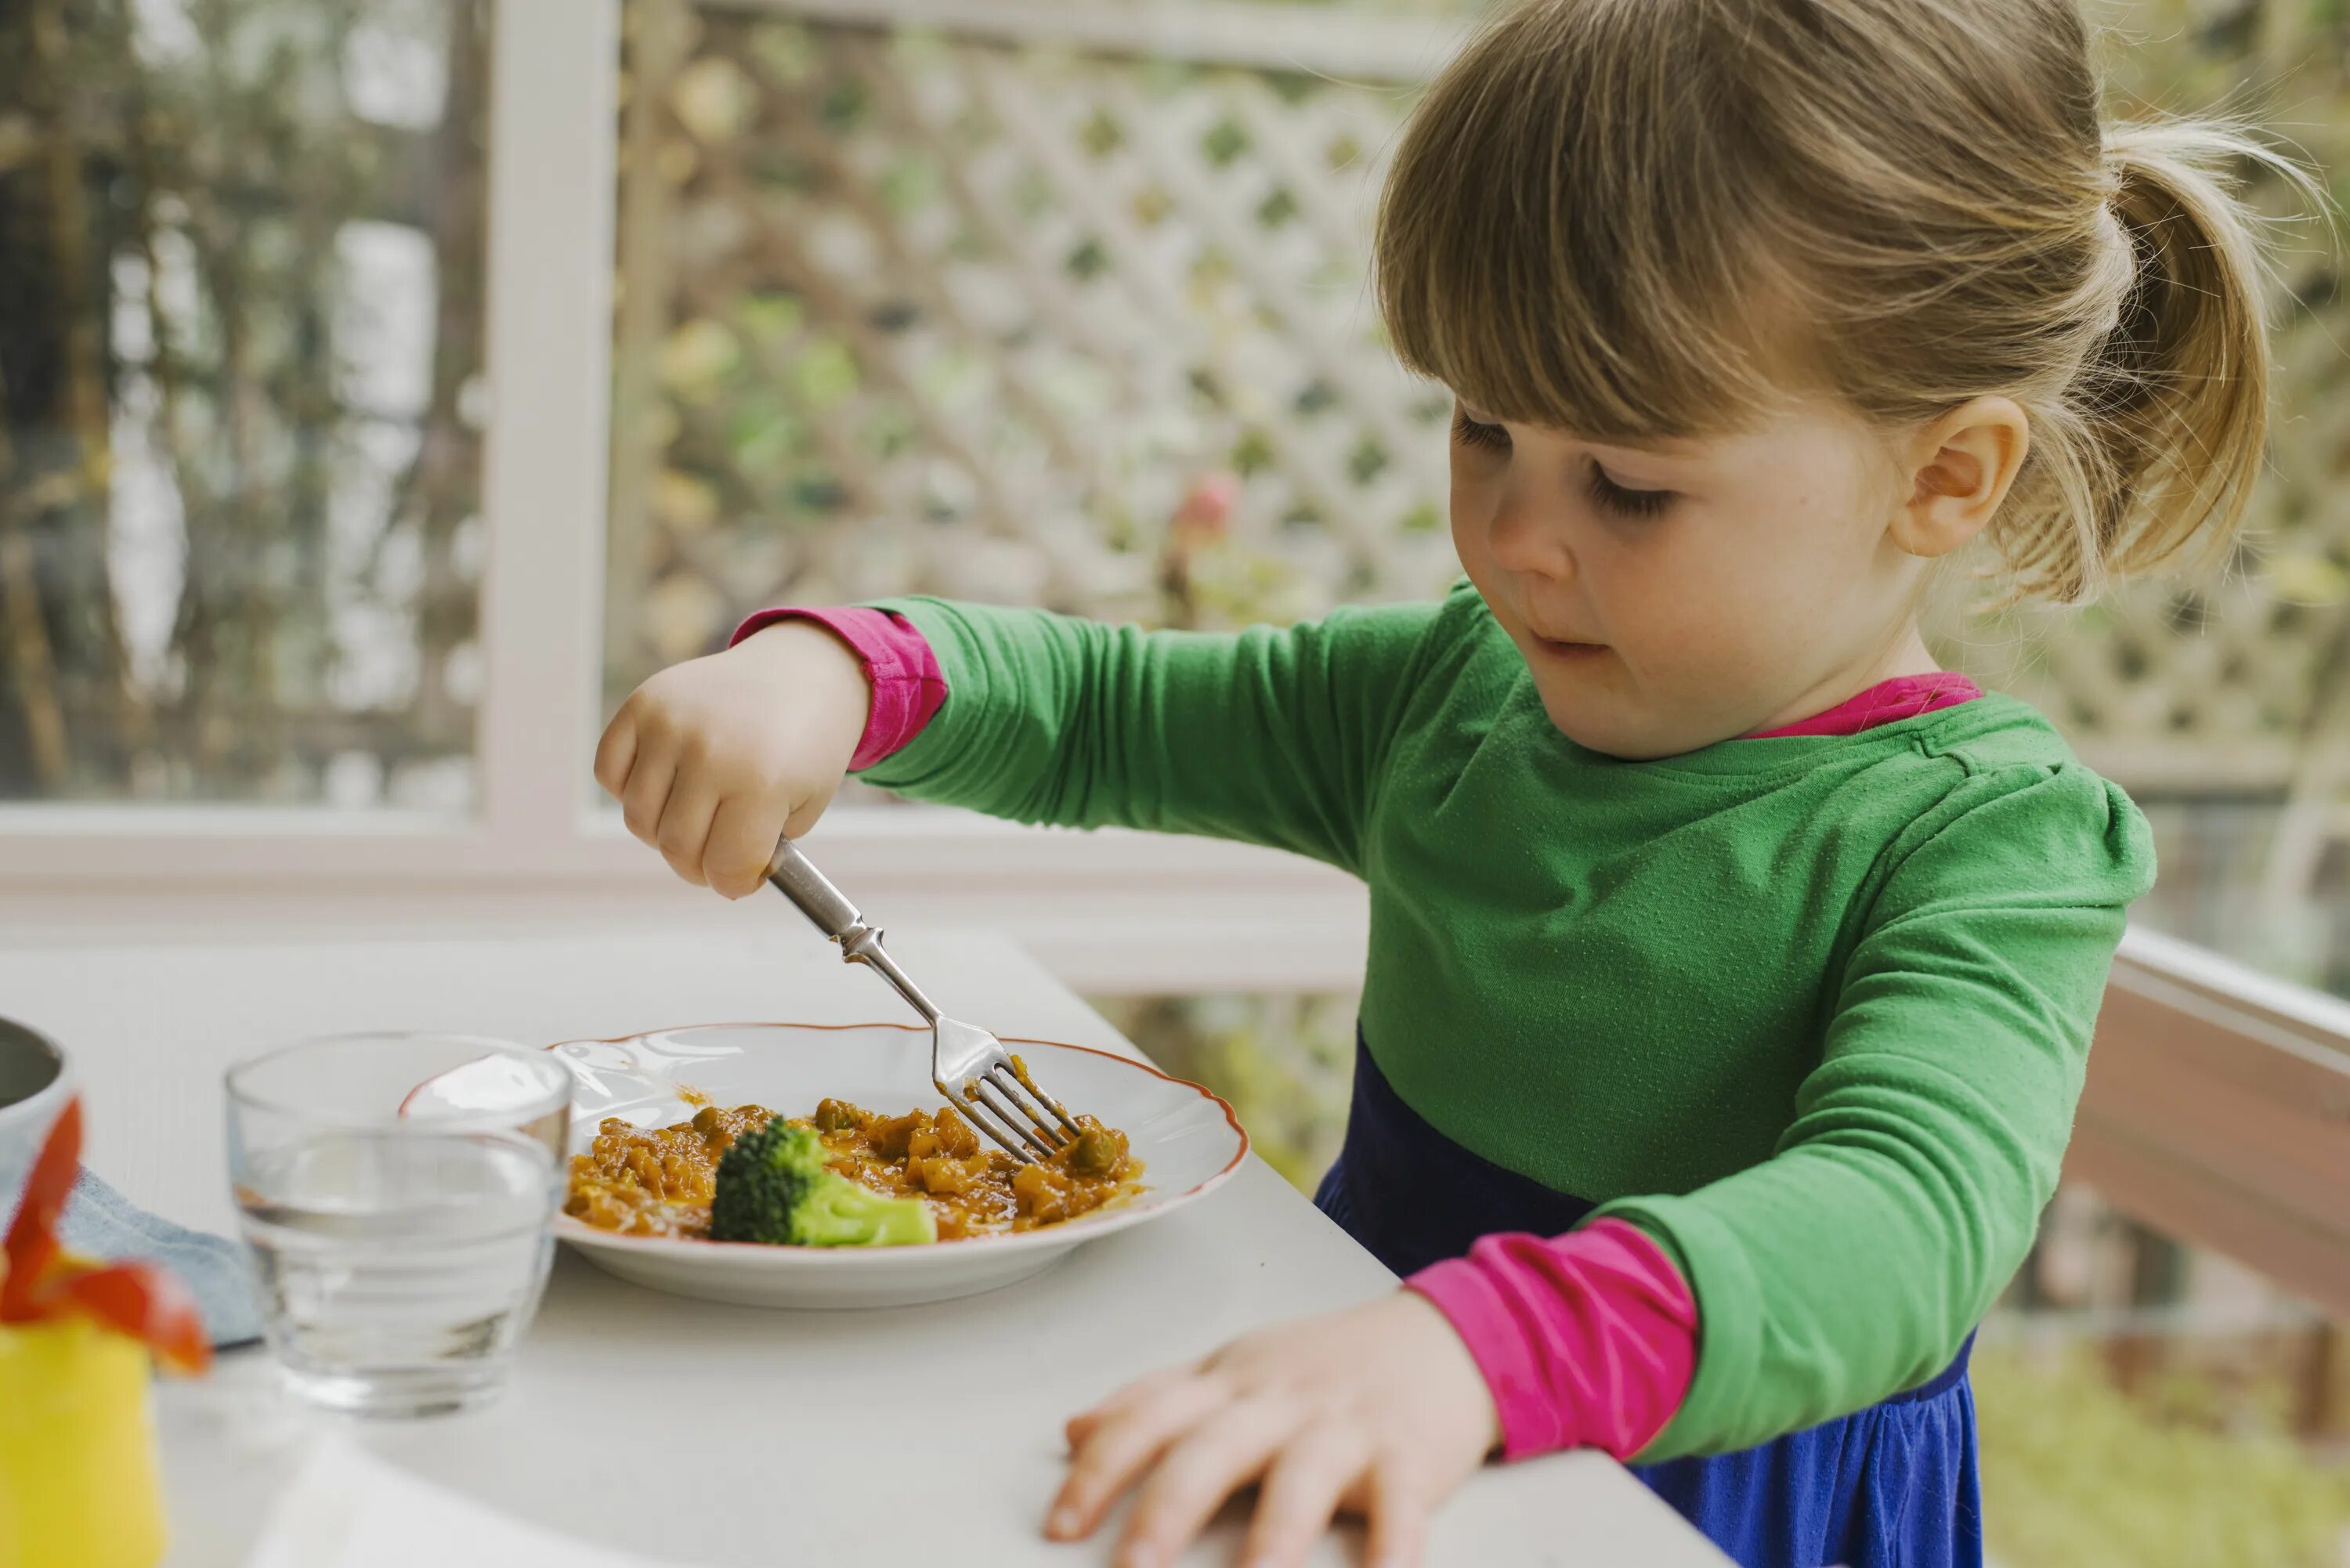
(77, 1480)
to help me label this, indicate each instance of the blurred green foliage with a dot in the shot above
(1286, 1062)
(2078, 1475)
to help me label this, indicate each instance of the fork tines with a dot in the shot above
(1008, 1097)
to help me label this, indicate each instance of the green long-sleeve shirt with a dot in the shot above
(1811, 1011)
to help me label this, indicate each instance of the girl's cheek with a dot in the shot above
(1473, 542)
(1469, 507)
(1698, 632)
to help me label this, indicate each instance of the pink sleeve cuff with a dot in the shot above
(1587, 1340)
(909, 687)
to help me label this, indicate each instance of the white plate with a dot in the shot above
(1188, 1140)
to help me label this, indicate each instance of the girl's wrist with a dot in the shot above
(1454, 1368)
(902, 686)
(1586, 1340)
(816, 671)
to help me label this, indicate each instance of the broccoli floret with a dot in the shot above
(773, 1187)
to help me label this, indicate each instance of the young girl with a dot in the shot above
(1732, 968)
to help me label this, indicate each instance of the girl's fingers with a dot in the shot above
(1218, 1456)
(685, 825)
(646, 796)
(741, 845)
(797, 824)
(1397, 1513)
(1121, 1447)
(1081, 1426)
(1302, 1491)
(616, 752)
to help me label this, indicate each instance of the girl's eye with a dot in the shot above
(1623, 501)
(1476, 432)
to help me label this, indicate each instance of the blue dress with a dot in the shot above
(1893, 1486)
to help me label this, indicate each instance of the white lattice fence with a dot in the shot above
(967, 307)
(955, 314)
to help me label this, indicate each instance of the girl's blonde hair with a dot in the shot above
(1638, 219)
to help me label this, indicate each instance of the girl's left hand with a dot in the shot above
(1378, 1411)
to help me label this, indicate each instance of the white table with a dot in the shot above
(688, 1431)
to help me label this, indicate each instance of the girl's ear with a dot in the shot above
(1961, 467)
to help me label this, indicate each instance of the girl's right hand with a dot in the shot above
(715, 759)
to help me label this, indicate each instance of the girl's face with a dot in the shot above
(1670, 597)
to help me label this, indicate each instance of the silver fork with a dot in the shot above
(968, 1065)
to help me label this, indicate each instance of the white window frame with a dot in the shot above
(548, 323)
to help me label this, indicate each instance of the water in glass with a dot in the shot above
(400, 1257)
(399, 1268)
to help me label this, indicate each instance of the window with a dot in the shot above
(241, 333)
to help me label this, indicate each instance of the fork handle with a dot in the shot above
(797, 877)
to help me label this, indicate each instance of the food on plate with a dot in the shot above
(774, 1186)
(663, 1182)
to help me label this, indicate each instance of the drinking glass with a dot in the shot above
(398, 1194)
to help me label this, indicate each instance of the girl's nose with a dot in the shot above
(1526, 537)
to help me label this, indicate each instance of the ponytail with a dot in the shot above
(2152, 459)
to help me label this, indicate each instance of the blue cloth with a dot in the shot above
(99, 1222)
(1893, 1486)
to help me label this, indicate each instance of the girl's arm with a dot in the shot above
(1275, 737)
(1854, 1263)
(1270, 736)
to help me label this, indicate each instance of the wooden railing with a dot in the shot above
(2218, 1111)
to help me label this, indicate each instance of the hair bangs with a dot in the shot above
(1566, 238)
